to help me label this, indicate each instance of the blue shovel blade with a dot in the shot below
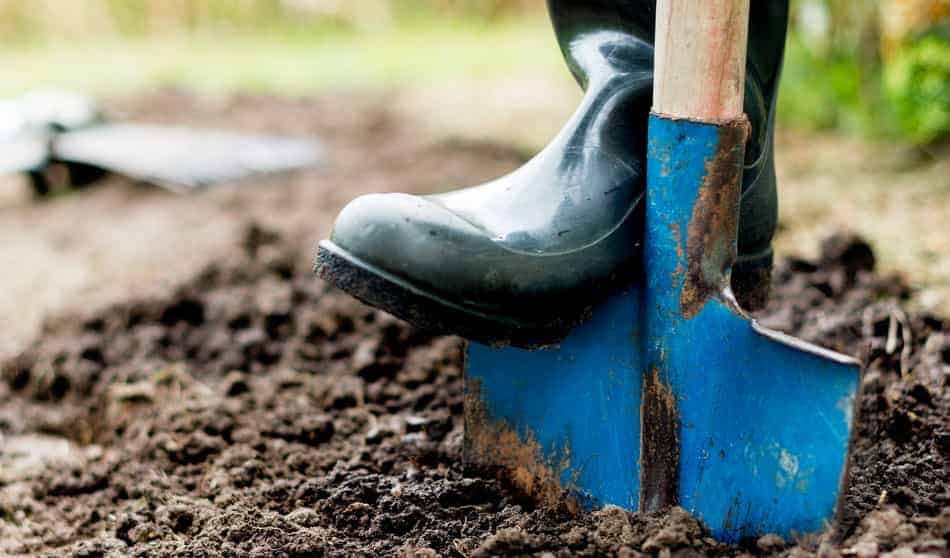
(579, 402)
(765, 420)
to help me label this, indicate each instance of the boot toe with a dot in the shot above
(414, 239)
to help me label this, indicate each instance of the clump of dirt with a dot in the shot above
(254, 411)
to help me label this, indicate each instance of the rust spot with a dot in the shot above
(519, 459)
(659, 445)
(678, 272)
(711, 234)
(675, 231)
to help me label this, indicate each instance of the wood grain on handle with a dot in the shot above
(700, 59)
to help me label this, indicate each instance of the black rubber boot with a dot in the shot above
(523, 259)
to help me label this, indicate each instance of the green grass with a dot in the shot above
(905, 99)
(819, 91)
(288, 63)
(918, 85)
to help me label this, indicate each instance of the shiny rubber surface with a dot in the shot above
(564, 221)
(554, 235)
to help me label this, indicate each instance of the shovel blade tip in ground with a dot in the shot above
(762, 443)
(765, 424)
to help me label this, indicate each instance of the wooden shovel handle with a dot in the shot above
(700, 59)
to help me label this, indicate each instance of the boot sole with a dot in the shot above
(752, 281)
(426, 310)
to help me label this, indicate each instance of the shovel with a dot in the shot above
(670, 394)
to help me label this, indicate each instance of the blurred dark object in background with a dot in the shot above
(61, 140)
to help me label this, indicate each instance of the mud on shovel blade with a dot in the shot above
(746, 428)
(565, 417)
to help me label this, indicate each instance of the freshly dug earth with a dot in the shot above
(249, 410)
(255, 411)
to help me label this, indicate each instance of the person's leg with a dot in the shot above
(522, 259)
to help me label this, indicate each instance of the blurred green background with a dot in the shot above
(879, 69)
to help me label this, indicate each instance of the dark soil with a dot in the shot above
(257, 412)
(254, 411)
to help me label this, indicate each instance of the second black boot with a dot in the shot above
(523, 259)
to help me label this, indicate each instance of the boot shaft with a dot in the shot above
(577, 22)
(618, 35)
